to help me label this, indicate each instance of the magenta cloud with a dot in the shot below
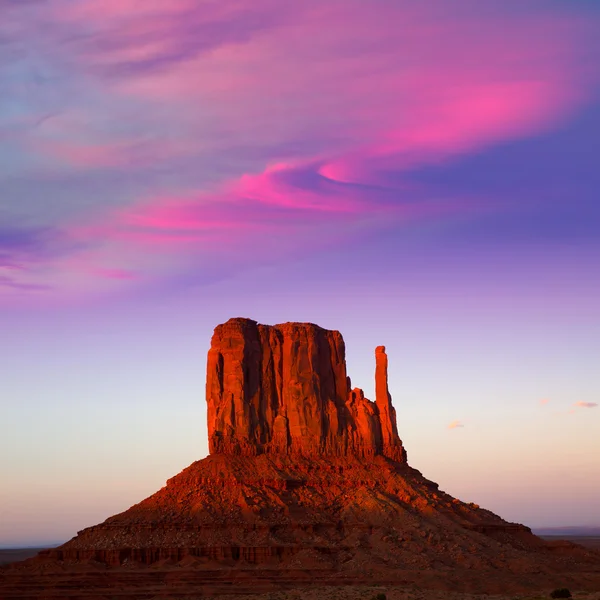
(269, 122)
(581, 404)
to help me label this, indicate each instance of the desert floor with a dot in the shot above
(391, 593)
(17, 554)
(589, 541)
(394, 593)
(346, 592)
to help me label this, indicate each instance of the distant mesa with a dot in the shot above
(307, 482)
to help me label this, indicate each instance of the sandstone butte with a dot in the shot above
(307, 483)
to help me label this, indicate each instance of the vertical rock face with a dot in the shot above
(284, 389)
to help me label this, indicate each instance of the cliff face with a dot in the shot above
(284, 389)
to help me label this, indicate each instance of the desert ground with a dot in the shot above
(316, 592)
(589, 541)
(393, 593)
(10, 555)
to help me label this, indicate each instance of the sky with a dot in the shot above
(418, 175)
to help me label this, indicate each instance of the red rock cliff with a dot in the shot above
(283, 389)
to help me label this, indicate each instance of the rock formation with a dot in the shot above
(307, 482)
(284, 389)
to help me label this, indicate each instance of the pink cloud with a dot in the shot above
(288, 200)
(183, 217)
(115, 273)
(131, 39)
(271, 187)
(581, 404)
(283, 210)
(83, 154)
(99, 153)
(474, 116)
(407, 96)
(111, 9)
(405, 99)
(329, 96)
(544, 401)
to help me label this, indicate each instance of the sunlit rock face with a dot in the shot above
(284, 389)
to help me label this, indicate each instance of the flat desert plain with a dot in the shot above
(391, 593)
(589, 541)
(11, 555)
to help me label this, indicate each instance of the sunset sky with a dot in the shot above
(423, 175)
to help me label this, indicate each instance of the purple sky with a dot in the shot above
(412, 174)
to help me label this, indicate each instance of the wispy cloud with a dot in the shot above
(544, 401)
(241, 125)
(455, 425)
(132, 40)
(581, 404)
(14, 284)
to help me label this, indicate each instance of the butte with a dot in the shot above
(307, 483)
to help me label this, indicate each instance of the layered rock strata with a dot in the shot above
(284, 389)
